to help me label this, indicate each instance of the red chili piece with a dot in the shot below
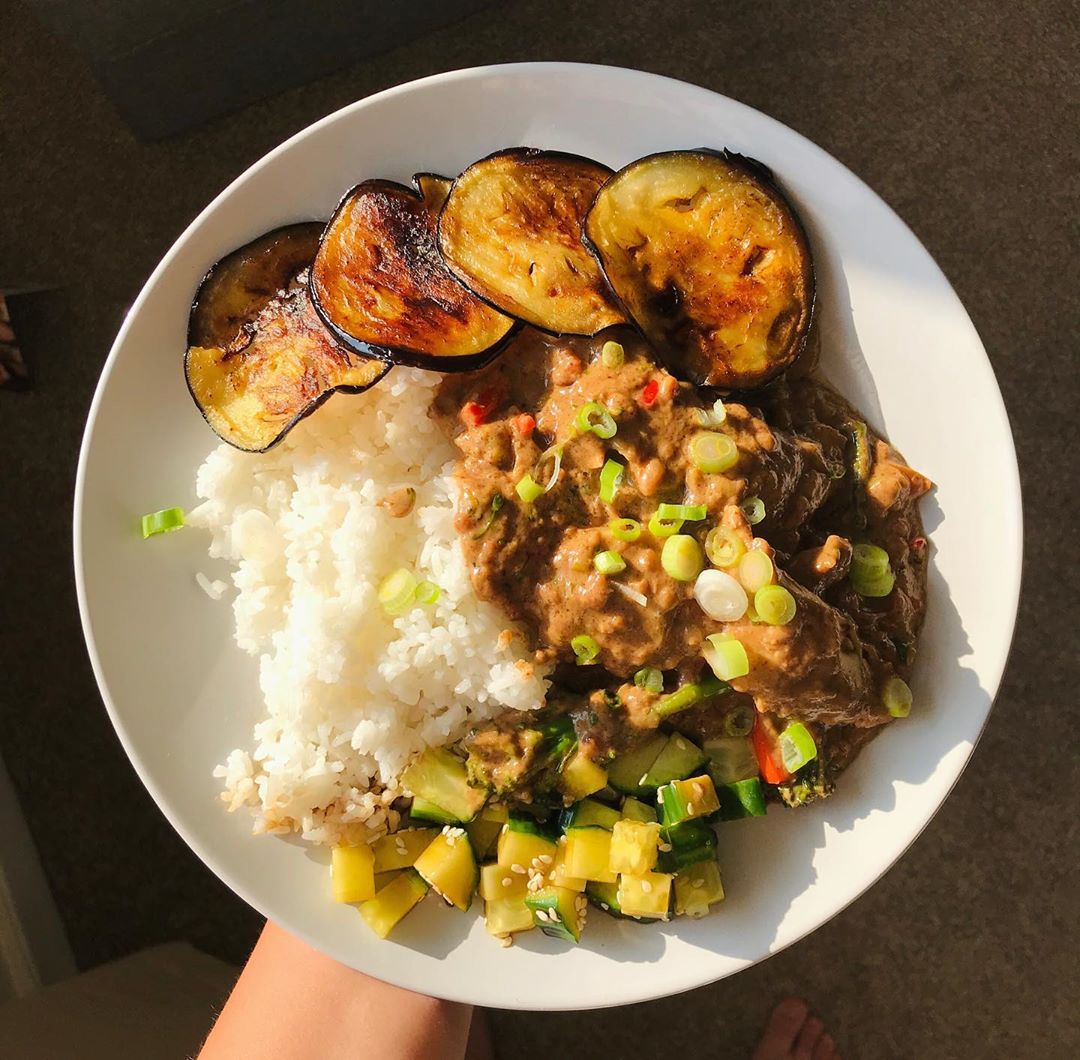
(649, 394)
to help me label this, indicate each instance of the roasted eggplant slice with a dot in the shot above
(237, 288)
(281, 368)
(710, 261)
(381, 287)
(511, 231)
(433, 189)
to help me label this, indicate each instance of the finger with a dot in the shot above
(782, 1029)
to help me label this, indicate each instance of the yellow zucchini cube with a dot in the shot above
(352, 873)
(400, 850)
(648, 895)
(497, 882)
(588, 851)
(634, 847)
(559, 877)
(507, 916)
(523, 848)
(696, 888)
(449, 866)
(581, 776)
(484, 830)
(392, 902)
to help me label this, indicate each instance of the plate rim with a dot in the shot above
(674, 983)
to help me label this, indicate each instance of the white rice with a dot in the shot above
(351, 693)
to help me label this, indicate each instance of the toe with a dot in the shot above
(785, 1023)
(825, 1049)
(808, 1037)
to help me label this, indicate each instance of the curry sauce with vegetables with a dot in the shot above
(719, 560)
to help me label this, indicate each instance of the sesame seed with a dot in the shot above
(546, 859)
(699, 883)
(605, 906)
(507, 881)
(689, 809)
(646, 886)
(664, 847)
(644, 777)
(519, 869)
(505, 941)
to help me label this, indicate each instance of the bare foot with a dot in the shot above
(793, 1034)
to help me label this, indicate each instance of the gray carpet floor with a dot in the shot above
(964, 117)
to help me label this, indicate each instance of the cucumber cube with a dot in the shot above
(507, 916)
(647, 895)
(634, 847)
(680, 758)
(744, 798)
(439, 778)
(559, 912)
(589, 814)
(497, 883)
(392, 902)
(559, 876)
(685, 844)
(449, 866)
(685, 800)
(636, 810)
(628, 772)
(352, 873)
(696, 888)
(604, 895)
(400, 850)
(484, 829)
(581, 776)
(587, 853)
(527, 850)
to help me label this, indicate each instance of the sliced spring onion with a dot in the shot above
(872, 583)
(612, 355)
(755, 570)
(625, 529)
(162, 522)
(713, 417)
(663, 527)
(867, 557)
(726, 657)
(632, 594)
(797, 746)
(397, 590)
(720, 596)
(689, 695)
(595, 418)
(723, 547)
(691, 513)
(740, 721)
(754, 510)
(897, 697)
(682, 557)
(427, 592)
(713, 452)
(774, 605)
(485, 526)
(611, 476)
(649, 678)
(609, 562)
(528, 489)
(585, 648)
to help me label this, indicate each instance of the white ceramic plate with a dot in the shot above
(897, 341)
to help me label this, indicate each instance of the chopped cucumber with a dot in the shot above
(744, 798)
(647, 895)
(352, 873)
(393, 901)
(497, 882)
(589, 814)
(684, 800)
(449, 865)
(558, 911)
(628, 772)
(587, 853)
(383, 878)
(427, 812)
(559, 876)
(636, 810)
(401, 849)
(679, 759)
(581, 776)
(696, 888)
(634, 847)
(604, 895)
(690, 842)
(439, 779)
(731, 758)
(484, 829)
(523, 842)
(507, 916)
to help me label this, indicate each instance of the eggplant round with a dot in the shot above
(237, 288)
(381, 287)
(711, 262)
(254, 391)
(433, 189)
(511, 231)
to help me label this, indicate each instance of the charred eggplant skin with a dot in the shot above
(234, 291)
(381, 287)
(253, 394)
(530, 262)
(722, 308)
(433, 189)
